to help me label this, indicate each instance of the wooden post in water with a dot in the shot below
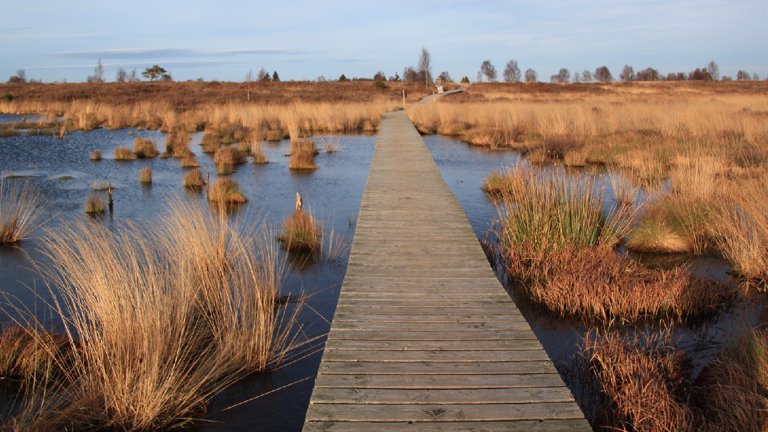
(109, 193)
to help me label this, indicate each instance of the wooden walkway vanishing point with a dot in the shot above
(425, 337)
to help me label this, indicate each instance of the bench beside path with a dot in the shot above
(424, 336)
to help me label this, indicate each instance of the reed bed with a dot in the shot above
(301, 232)
(303, 153)
(226, 191)
(144, 148)
(159, 320)
(124, 154)
(189, 161)
(177, 144)
(194, 179)
(258, 155)
(95, 155)
(94, 204)
(641, 382)
(21, 209)
(145, 176)
(230, 155)
(558, 244)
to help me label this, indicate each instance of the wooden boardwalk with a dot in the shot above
(424, 337)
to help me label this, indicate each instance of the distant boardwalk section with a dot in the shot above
(424, 337)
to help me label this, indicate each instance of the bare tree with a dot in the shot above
(603, 74)
(714, 70)
(755, 77)
(586, 76)
(134, 77)
(576, 77)
(531, 76)
(98, 74)
(446, 76)
(648, 74)
(743, 75)
(19, 78)
(121, 76)
(563, 76)
(248, 81)
(410, 75)
(512, 72)
(425, 66)
(488, 70)
(262, 75)
(627, 74)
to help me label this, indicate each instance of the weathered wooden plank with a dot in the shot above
(431, 345)
(444, 381)
(429, 327)
(436, 368)
(434, 413)
(442, 397)
(416, 335)
(436, 355)
(566, 425)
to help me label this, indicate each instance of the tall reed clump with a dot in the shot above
(303, 153)
(95, 155)
(144, 148)
(21, 209)
(681, 220)
(640, 382)
(226, 191)
(194, 179)
(32, 355)
(741, 229)
(94, 204)
(301, 232)
(558, 245)
(258, 154)
(124, 154)
(160, 320)
(226, 158)
(145, 175)
(177, 144)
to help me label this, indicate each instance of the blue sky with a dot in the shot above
(57, 40)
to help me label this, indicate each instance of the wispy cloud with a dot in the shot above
(168, 53)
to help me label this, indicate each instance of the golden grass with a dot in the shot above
(189, 161)
(124, 154)
(226, 191)
(741, 229)
(177, 144)
(28, 354)
(21, 209)
(258, 154)
(194, 179)
(230, 155)
(303, 153)
(94, 204)
(145, 175)
(160, 320)
(95, 155)
(301, 232)
(144, 148)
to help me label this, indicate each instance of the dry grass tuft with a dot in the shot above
(145, 175)
(95, 155)
(32, 355)
(189, 161)
(258, 154)
(21, 209)
(641, 380)
(226, 191)
(301, 232)
(94, 204)
(302, 155)
(229, 156)
(194, 179)
(144, 148)
(177, 144)
(124, 154)
(162, 320)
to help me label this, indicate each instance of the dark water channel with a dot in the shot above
(63, 173)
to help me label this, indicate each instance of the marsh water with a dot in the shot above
(61, 170)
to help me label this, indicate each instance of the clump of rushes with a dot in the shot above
(95, 155)
(732, 391)
(640, 382)
(177, 144)
(301, 232)
(30, 354)
(189, 161)
(230, 155)
(559, 246)
(94, 204)
(194, 179)
(303, 153)
(226, 191)
(741, 230)
(258, 154)
(144, 148)
(20, 211)
(211, 141)
(124, 153)
(224, 169)
(145, 175)
(178, 312)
